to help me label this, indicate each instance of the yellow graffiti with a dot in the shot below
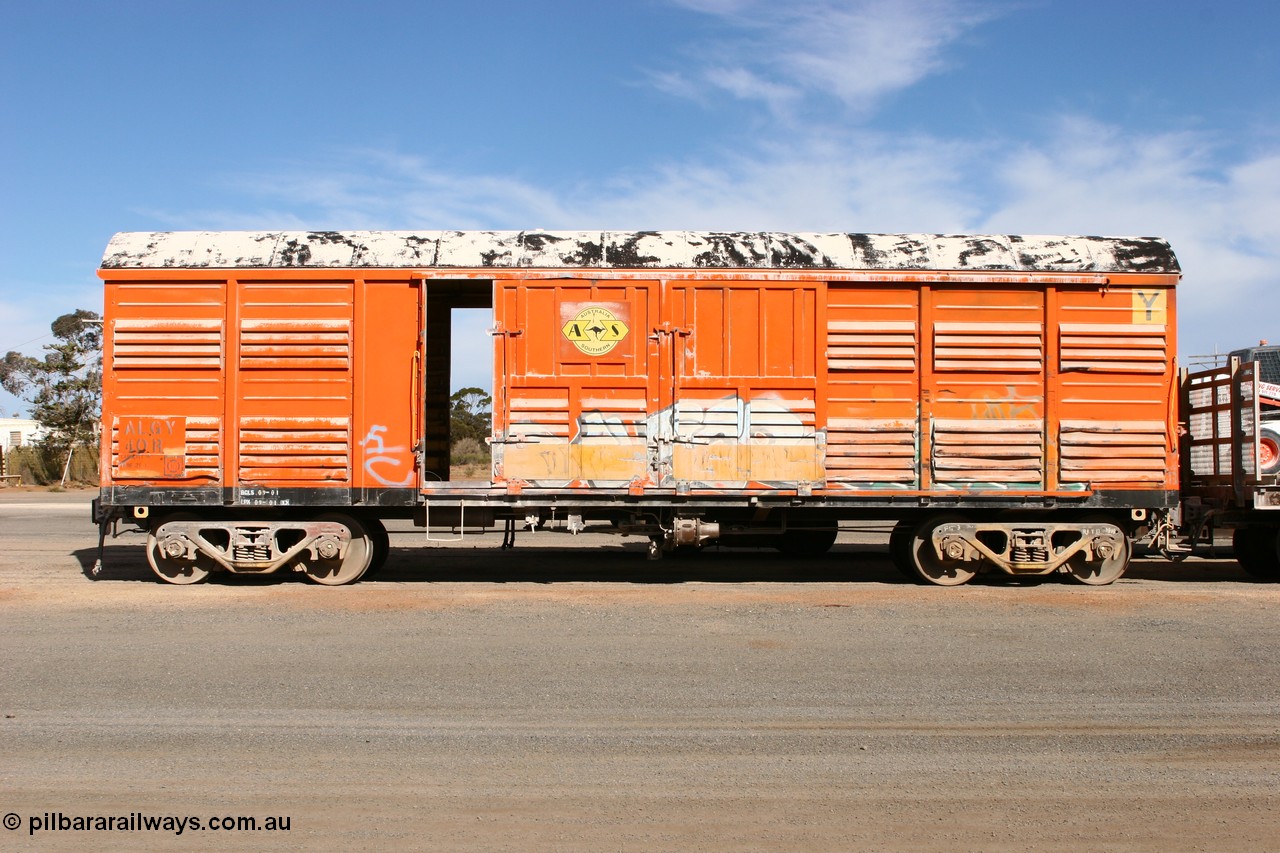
(1008, 406)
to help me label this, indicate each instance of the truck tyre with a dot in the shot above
(1256, 551)
(1268, 450)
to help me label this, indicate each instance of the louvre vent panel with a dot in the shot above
(301, 449)
(722, 418)
(856, 345)
(988, 451)
(204, 447)
(166, 343)
(1139, 348)
(988, 346)
(295, 344)
(1112, 451)
(781, 417)
(610, 418)
(538, 413)
(869, 450)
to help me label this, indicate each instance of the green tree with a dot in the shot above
(470, 414)
(65, 387)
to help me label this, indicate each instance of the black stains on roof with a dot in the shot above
(1047, 254)
(589, 253)
(865, 248)
(536, 242)
(979, 248)
(422, 248)
(568, 251)
(731, 250)
(340, 238)
(788, 251)
(1146, 255)
(637, 250)
(330, 238)
(626, 254)
(911, 253)
(294, 254)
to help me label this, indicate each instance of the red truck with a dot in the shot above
(1230, 460)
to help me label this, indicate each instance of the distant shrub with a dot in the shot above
(40, 465)
(468, 451)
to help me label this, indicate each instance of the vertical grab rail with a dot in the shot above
(415, 396)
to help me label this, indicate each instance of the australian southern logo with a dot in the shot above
(595, 330)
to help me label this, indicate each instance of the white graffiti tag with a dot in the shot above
(376, 453)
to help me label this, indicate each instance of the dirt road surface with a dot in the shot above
(570, 695)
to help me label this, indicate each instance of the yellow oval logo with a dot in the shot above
(595, 330)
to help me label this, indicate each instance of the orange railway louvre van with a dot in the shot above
(271, 398)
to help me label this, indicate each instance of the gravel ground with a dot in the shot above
(571, 695)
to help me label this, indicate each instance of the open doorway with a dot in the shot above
(471, 401)
(459, 356)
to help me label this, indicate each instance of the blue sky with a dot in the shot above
(1021, 117)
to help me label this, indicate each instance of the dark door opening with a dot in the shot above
(457, 349)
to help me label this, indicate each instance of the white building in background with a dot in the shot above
(18, 432)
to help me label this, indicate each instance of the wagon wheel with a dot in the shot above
(1256, 551)
(807, 543)
(900, 549)
(345, 569)
(175, 568)
(926, 562)
(1104, 571)
(381, 544)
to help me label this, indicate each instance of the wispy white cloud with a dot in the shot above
(1222, 217)
(1081, 177)
(1255, 210)
(1221, 210)
(865, 180)
(222, 219)
(855, 52)
(855, 182)
(369, 188)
